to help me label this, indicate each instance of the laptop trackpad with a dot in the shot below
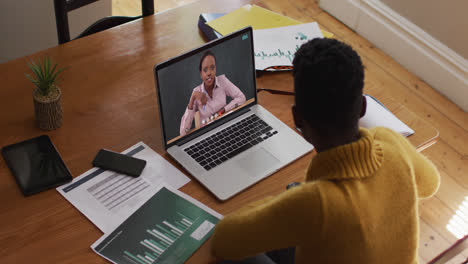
(256, 162)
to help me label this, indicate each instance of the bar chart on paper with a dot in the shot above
(166, 229)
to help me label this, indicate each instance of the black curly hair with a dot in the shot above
(206, 54)
(328, 85)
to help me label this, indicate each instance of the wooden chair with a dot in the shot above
(62, 7)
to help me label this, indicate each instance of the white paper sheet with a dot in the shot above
(377, 115)
(108, 198)
(277, 46)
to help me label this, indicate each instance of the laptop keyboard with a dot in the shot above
(227, 143)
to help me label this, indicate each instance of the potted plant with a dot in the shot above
(46, 95)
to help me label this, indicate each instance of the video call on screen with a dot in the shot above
(178, 80)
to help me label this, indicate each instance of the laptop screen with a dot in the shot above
(200, 89)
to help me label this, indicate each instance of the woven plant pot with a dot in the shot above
(48, 109)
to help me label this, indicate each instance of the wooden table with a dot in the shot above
(109, 101)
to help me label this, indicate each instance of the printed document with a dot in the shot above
(277, 46)
(170, 227)
(378, 115)
(108, 198)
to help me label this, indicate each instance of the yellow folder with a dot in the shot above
(255, 16)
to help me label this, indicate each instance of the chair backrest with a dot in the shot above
(62, 7)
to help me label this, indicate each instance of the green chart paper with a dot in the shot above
(166, 229)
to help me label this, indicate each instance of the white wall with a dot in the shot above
(431, 59)
(447, 21)
(28, 26)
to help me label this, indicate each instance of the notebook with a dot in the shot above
(229, 142)
(254, 16)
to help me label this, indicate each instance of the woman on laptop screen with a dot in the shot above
(209, 98)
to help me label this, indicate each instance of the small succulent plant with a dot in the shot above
(45, 75)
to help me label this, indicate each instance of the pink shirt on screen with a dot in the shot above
(223, 87)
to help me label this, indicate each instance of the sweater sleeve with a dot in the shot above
(269, 224)
(187, 118)
(427, 176)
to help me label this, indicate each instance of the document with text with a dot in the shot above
(277, 46)
(107, 198)
(168, 228)
(378, 115)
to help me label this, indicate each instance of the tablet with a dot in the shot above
(36, 165)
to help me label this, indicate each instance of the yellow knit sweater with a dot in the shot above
(358, 205)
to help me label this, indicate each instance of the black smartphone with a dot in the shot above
(121, 163)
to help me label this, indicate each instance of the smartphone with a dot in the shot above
(121, 163)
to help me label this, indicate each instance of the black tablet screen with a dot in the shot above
(36, 165)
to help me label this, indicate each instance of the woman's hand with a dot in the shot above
(197, 96)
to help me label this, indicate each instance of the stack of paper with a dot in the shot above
(255, 16)
(276, 37)
(377, 115)
(145, 219)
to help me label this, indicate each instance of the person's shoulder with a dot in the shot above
(390, 139)
(223, 81)
(198, 88)
(386, 134)
(222, 78)
(313, 188)
(319, 193)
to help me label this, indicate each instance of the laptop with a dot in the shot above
(225, 139)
